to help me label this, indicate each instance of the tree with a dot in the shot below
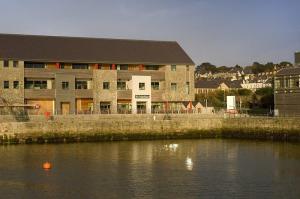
(207, 67)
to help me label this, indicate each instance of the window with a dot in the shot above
(6, 63)
(34, 65)
(278, 83)
(65, 85)
(152, 67)
(287, 82)
(6, 84)
(80, 66)
(294, 82)
(173, 67)
(187, 68)
(105, 107)
(16, 84)
(15, 64)
(155, 85)
(81, 85)
(121, 85)
(142, 86)
(106, 86)
(35, 84)
(124, 67)
(173, 86)
(187, 87)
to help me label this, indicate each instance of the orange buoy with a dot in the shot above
(47, 165)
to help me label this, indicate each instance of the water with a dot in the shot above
(152, 169)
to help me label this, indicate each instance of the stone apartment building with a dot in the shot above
(287, 92)
(297, 58)
(69, 75)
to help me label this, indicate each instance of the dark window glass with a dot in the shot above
(65, 85)
(124, 67)
(187, 87)
(80, 66)
(35, 84)
(106, 85)
(155, 85)
(15, 64)
(34, 65)
(281, 83)
(16, 84)
(173, 86)
(121, 85)
(6, 84)
(105, 107)
(187, 68)
(151, 67)
(6, 63)
(173, 67)
(81, 85)
(142, 86)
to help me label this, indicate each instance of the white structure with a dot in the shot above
(141, 94)
(231, 105)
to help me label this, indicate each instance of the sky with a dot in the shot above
(222, 32)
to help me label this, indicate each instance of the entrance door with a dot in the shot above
(65, 108)
(141, 107)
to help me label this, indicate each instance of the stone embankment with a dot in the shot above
(88, 128)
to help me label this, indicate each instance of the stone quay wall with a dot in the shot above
(85, 128)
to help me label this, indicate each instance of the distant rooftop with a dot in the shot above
(289, 71)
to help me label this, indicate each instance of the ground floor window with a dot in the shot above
(105, 107)
(124, 108)
(157, 107)
(141, 107)
(84, 106)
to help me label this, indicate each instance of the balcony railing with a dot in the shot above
(39, 93)
(83, 93)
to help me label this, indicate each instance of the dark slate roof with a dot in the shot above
(214, 84)
(289, 71)
(234, 84)
(90, 50)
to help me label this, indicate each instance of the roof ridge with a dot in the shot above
(85, 37)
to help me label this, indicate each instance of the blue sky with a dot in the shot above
(223, 32)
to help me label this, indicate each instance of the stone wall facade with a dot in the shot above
(105, 95)
(126, 127)
(12, 73)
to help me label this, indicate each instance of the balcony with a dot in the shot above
(157, 95)
(50, 73)
(84, 93)
(155, 75)
(124, 94)
(39, 93)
